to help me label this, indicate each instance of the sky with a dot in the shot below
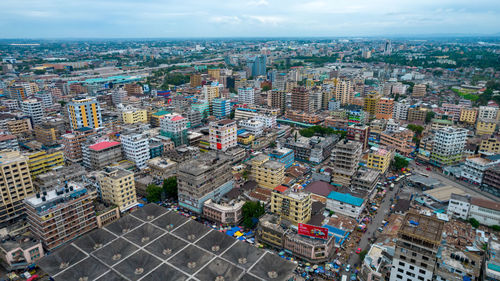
(245, 18)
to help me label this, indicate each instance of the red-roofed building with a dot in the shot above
(281, 188)
(102, 154)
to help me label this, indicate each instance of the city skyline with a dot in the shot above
(257, 18)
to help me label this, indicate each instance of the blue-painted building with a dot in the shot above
(283, 155)
(155, 148)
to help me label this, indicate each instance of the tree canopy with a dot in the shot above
(320, 130)
(153, 193)
(399, 162)
(251, 212)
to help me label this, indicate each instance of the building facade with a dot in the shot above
(85, 112)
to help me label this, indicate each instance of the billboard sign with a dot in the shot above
(313, 231)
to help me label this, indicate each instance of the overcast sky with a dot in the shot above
(244, 18)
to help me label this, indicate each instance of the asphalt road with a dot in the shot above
(382, 212)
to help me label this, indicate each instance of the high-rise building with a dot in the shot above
(101, 154)
(345, 161)
(370, 103)
(43, 161)
(207, 177)
(300, 99)
(419, 91)
(118, 96)
(34, 109)
(417, 114)
(246, 95)
(387, 47)
(221, 108)
(175, 126)
(417, 246)
(45, 97)
(134, 115)
(257, 65)
(8, 141)
(214, 73)
(195, 80)
(293, 206)
(117, 187)
(136, 147)
(73, 143)
(16, 185)
(222, 134)
(448, 146)
(468, 115)
(385, 108)
(487, 112)
(16, 92)
(344, 92)
(211, 92)
(485, 126)
(62, 214)
(85, 112)
(278, 99)
(401, 110)
(379, 159)
(266, 172)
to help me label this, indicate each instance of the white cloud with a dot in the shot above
(258, 3)
(272, 20)
(225, 19)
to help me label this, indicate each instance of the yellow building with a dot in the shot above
(245, 138)
(491, 145)
(291, 205)
(16, 184)
(371, 101)
(379, 159)
(132, 116)
(267, 173)
(485, 127)
(84, 112)
(468, 115)
(214, 73)
(118, 187)
(43, 161)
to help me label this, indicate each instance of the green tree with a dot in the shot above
(170, 187)
(39, 71)
(245, 174)
(474, 222)
(362, 255)
(398, 163)
(153, 193)
(266, 88)
(251, 212)
(62, 103)
(272, 144)
(417, 129)
(495, 227)
(428, 116)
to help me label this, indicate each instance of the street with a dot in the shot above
(382, 212)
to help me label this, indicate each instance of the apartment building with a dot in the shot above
(19, 252)
(400, 111)
(60, 215)
(162, 168)
(302, 117)
(278, 100)
(40, 162)
(487, 112)
(223, 213)
(73, 143)
(345, 204)
(359, 133)
(315, 149)
(417, 247)
(384, 108)
(9, 142)
(175, 127)
(117, 187)
(345, 160)
(475, 166)
(135, 145)
(134, 115)
(222, 134)
(417, 114)
(468, 115)
(419, 91)
(491, 181)
(486, 126)
(246, 95)
(370, 103)
(16, 184)
(221, 108)
(102, 154)
(300, 100)
(266, 172)
(379, 159)
(448, 146)
(291, 205)
(283, 155)
(84, 112)
(253, 126)
(19, 127)
(207, 177)
(33, 108)
(401, 140)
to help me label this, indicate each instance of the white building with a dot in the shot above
(474, 167)
(315, 100)
(345, 204)
(136, 148)
(246, 95)
(118, 96)
(34, 109)
(253, 126)
(333, 105)
(269, 121)
(485, 211)
(400, 110)
(448, 146)
(487, 112)
(45, 97)
(222, 134)
(459, 206)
